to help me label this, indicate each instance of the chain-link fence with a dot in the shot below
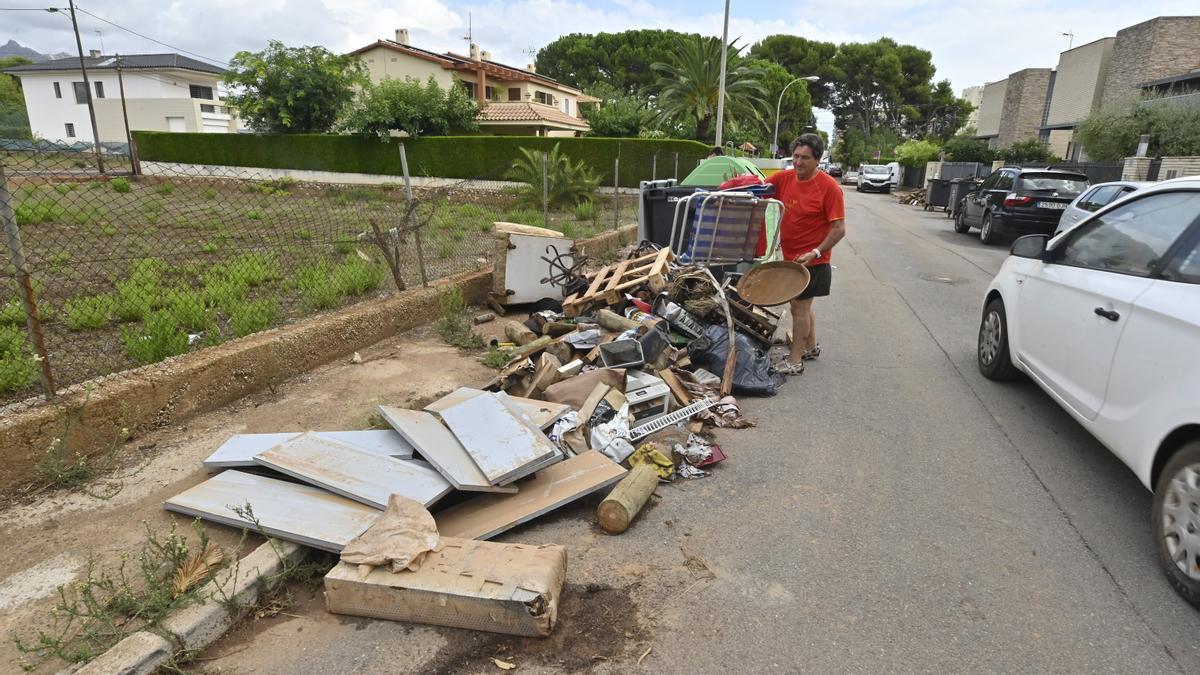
(104, 272)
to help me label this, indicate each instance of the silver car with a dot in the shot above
(1094, 199)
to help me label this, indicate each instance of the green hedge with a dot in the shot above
(439, 156)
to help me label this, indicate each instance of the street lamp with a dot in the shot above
(721, 88)
(775, 136)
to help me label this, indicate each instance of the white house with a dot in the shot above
(163, 92)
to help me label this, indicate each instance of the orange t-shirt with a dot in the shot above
(810, 206)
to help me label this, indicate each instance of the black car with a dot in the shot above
(834, 170)
(1015, 201)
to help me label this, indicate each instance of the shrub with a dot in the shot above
(356, 276)
(188, 310)
(961, 149)
(89, 312)
(157, 339)
(251, 317)
(917, 153)
(17, 369)
(453, 324)
(444, 156)
(1026, 152)
(120, 185)
(1111, 135)
(585, 210)
(315, 285)
(566, 183)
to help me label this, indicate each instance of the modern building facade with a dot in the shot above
(514, 101)
(1158, 57)
(974, 96)
(162, 92)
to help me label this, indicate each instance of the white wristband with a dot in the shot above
(817, 251)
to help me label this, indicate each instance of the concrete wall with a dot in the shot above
(1079, 84)
(1060, 142)
(382, 63)
(974, 96)
(1178, 167)
(1024, 105)
(1158, 48)
(990, 107)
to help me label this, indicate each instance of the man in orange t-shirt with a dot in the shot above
(814, 221)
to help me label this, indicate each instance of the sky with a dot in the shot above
(971, 42)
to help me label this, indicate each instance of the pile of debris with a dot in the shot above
(916, 197)
(615, 384)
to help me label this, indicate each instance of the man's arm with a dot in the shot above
(837, 230)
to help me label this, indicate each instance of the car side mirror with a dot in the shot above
(1030, 246)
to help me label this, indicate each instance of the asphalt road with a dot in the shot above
(891, 511)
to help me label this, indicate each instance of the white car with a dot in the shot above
(1094, 199)
(874, 177)
(1106, 318)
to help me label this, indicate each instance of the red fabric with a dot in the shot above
(740, 181)
(811, 205)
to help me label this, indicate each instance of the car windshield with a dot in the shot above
(874, 168)
(1065, 186)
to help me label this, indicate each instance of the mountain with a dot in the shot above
(14, 48)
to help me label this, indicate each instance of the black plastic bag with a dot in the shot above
(751, 375)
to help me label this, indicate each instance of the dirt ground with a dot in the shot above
(48, 540)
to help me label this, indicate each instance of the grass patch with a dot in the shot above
(305, 235)
(120, 185)
(18, 369)
(496, 358)
(252, 269)
(453, 324)
(315, 285)
(585, 211)
(64, 188)
(89, 312)
(356, 276)
(35, 213)
(165, 188)
(188, 310)
(344, 246)
(96, 611)
(224, 292)
(159, 337)
(251, 317)
(253, 215)
(209, 247)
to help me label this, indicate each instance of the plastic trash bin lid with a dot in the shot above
(716, 170)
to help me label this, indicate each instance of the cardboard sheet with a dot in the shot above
(292, 512)
(352, 472)
(488, 515)
(501, 588)
(573, 391)
(240, 449)
(443, 451)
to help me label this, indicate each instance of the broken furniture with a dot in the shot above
(609, 284)
(240, 449)
(727, 227)
(519, 275)
(440, 448)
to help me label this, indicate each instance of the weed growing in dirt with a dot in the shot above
(64, 188)
(224, 292)
(208, 193)
(305, 235)
(38, 212)
(94, 613)
(165, 188)
(17, 368)
(496, 358)
(188, 310)
(89, 312)
(453, 324)
(120, 185)
(158, 338)
(12, 312)
(274, 186)
(252, 269)
(209, 247)
(585, 211)
(316, 290)
(344, 246)
(251, 317)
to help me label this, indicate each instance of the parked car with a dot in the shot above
(834, 170)
(1106, 319)
(1015, 201)
(1096, 198)
(850, 178)
(874, 178)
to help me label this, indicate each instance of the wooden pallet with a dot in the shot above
(609, 284)
(757, 322)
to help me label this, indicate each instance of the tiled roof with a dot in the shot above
(524, 111)
(128, 61)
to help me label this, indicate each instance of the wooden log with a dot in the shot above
(610, 320)
(561, 351)
(558, 328)
(622, 505)
(533, 347)
(519, 333)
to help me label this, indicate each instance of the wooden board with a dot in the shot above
(292, 512)
(441, 449)
(502, 445)
(488, 515)
(609, 283)
(240, 449)
(354, 473)
(543, 413)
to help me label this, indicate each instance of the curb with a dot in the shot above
(195, 627)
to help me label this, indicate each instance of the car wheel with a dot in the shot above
(858, 188)
(960, 222)
(994, 360)
(987, 234)
(1176, 521)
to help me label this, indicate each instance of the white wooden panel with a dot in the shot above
(440, 448)
(503, 446)
(543, 413)
(240, 450)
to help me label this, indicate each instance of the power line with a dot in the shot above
(147, 37)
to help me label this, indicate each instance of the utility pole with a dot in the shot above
(125, 114)
(87, 86)
(721, 89)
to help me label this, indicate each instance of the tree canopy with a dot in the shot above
(621, 60)
(618, 115)
(1111, 135)
(408, 106)
(802, 57)
(14, 121)
(795, 111)
(292, 89)
(688, 85)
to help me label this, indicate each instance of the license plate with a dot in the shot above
(1057, 206)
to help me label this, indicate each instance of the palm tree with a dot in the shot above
(689, 86)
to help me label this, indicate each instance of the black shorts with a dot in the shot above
(820, 277)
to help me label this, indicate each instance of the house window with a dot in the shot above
(566, 105)
(99, 89)
(491, 94)
(208, 108)
(81, 92)
(197, 91)
(70, 130)
(57, 91)
(514, 94)
(541, 97)
(469, 86)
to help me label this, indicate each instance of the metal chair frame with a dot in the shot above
(717, 200)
